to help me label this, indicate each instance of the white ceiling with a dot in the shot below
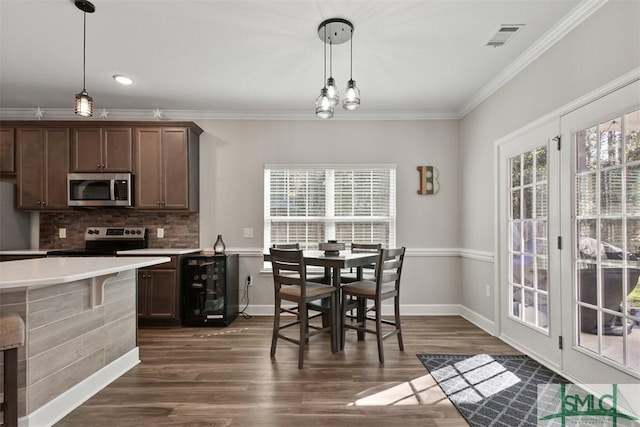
(235, 58)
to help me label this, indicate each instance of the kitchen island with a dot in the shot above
(81, 327)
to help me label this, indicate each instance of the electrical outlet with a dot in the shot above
(248, 232)
(248, 280)
(62, 233)
(160, 233)
(487, 291)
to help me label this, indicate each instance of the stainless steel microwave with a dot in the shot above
(100, 189)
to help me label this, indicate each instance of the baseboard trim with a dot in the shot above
(62, 405)
(479, 320)
(387, 309)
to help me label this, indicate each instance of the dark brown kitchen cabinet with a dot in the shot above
(158, 294)
(166, 173)
(7, 151)
(102, 149)
(42, 163)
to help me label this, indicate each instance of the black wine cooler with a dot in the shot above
(209, 290)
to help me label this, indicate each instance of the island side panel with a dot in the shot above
(15, 301)
(67, 340)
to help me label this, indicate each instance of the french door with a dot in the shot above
(569, 239)
(530, 294)
(600, 222)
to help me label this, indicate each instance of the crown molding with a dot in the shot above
(555, 34)
(151, 115)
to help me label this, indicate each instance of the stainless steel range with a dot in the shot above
(107, 241)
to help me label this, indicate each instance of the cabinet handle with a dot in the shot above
(98, 166)
(103, 167)
(158, 202)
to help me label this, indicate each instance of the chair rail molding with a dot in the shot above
(411, 252)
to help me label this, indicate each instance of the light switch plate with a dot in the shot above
(160, 233)
(248, 232)
(62, 233)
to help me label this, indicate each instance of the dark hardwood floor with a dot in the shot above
(225, 377)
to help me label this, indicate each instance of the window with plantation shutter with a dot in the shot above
(312, 204)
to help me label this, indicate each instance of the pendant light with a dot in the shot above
(332, 89)
(332, 32)
(352, 93)
(84, 103)
(324, 109)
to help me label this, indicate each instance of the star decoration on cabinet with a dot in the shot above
(104, 115)
(157, 114)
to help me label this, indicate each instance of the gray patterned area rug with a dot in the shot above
(491, 390)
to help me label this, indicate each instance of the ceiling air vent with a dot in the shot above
(504, 34)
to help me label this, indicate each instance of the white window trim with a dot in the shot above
(330, 220)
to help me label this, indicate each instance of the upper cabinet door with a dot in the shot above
(86, 150)
(42, 168)
(30, 166)
(56, 157)
(7, 151)
(102, 150)
(176, 169)
(117, 150)
(148, 173)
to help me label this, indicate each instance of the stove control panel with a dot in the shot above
(114, 233)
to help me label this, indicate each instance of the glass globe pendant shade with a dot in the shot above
(352, 96)
(332, 92)
(324, 109)
(84, 104)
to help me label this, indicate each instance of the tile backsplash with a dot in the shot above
(181, 230)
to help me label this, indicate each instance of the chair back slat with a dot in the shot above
(295, 246)
(366, 247)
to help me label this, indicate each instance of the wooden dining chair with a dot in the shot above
(385, 285)
(290, 284)
(366, 272)
(312, 277)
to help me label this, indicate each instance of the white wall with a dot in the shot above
(601, 49)
(232, 158)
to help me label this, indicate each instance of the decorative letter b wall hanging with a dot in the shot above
(429, 183)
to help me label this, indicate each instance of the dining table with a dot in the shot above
(333, 264)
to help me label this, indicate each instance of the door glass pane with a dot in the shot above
(515, 204)
(612, 345)
(607, 225)
(632, 187)
(586, 198)
(587, 149)
(611, 192)
(528, 238)
(610, 143)
(632, 135)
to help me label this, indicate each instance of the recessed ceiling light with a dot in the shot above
(123, 80)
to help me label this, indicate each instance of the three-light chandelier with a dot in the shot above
(336, 31)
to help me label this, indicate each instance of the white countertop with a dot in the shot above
(33, 252)
(157, 251)
(50, 271)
